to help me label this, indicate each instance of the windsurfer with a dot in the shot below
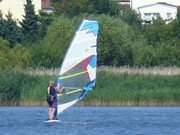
(53, 90)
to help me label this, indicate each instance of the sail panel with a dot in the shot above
(83, 44)
(78, 70)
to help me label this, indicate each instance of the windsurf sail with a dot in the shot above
(78, 70)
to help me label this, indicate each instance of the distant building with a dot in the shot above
(126, 3)
(46, 6)
(148, 9)
(17, 7)
(139, 3)
(164, 10)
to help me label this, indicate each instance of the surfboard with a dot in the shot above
(52, 121)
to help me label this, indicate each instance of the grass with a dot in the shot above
(17, 88)
(164, 71)
(114, 87)
(132, 88)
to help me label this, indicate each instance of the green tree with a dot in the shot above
(100, 6)
(108, 7)
(4, 51)
(178, 13)
(13, 31)
(73, 8)
(50, 51)
(157, 32)
(45, 20)
(10, 30)
(18, 57)
(29, 24)
(115, 42)
(176, 26)
(168, 54)
(145, 56)
(126, 14)
(2, 25)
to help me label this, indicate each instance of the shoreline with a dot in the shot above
(99, 104)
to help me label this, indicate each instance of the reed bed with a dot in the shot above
(41, 71)
(115, 86)
(142, 70)
(170, 71)
(135, 89)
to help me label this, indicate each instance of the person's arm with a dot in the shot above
(48, 90)
(59, 91)
(62, 88)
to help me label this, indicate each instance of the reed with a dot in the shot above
(17, 88)
(166, 71)
(116, 70)
(114, 87)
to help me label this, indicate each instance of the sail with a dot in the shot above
(78, 70)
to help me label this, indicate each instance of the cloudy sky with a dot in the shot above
(138, 3)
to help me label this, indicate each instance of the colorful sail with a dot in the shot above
(78, 70)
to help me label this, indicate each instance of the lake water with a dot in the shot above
(91, 121)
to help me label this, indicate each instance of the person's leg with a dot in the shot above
(55, 111)
(52, 113)
(49, 113)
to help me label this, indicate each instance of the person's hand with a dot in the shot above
(63, 90)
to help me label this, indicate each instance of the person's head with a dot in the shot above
(51, 83)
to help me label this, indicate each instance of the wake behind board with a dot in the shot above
(52, 121)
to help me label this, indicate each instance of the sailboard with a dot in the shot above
(52, 121)
(78, 71)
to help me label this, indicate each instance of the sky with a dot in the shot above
(139, 3)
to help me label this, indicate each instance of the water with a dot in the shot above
(91, 121)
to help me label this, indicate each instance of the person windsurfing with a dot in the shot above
(54, 89)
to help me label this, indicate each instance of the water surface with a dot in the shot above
(91, 121)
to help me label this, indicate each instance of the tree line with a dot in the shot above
(42, 40)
